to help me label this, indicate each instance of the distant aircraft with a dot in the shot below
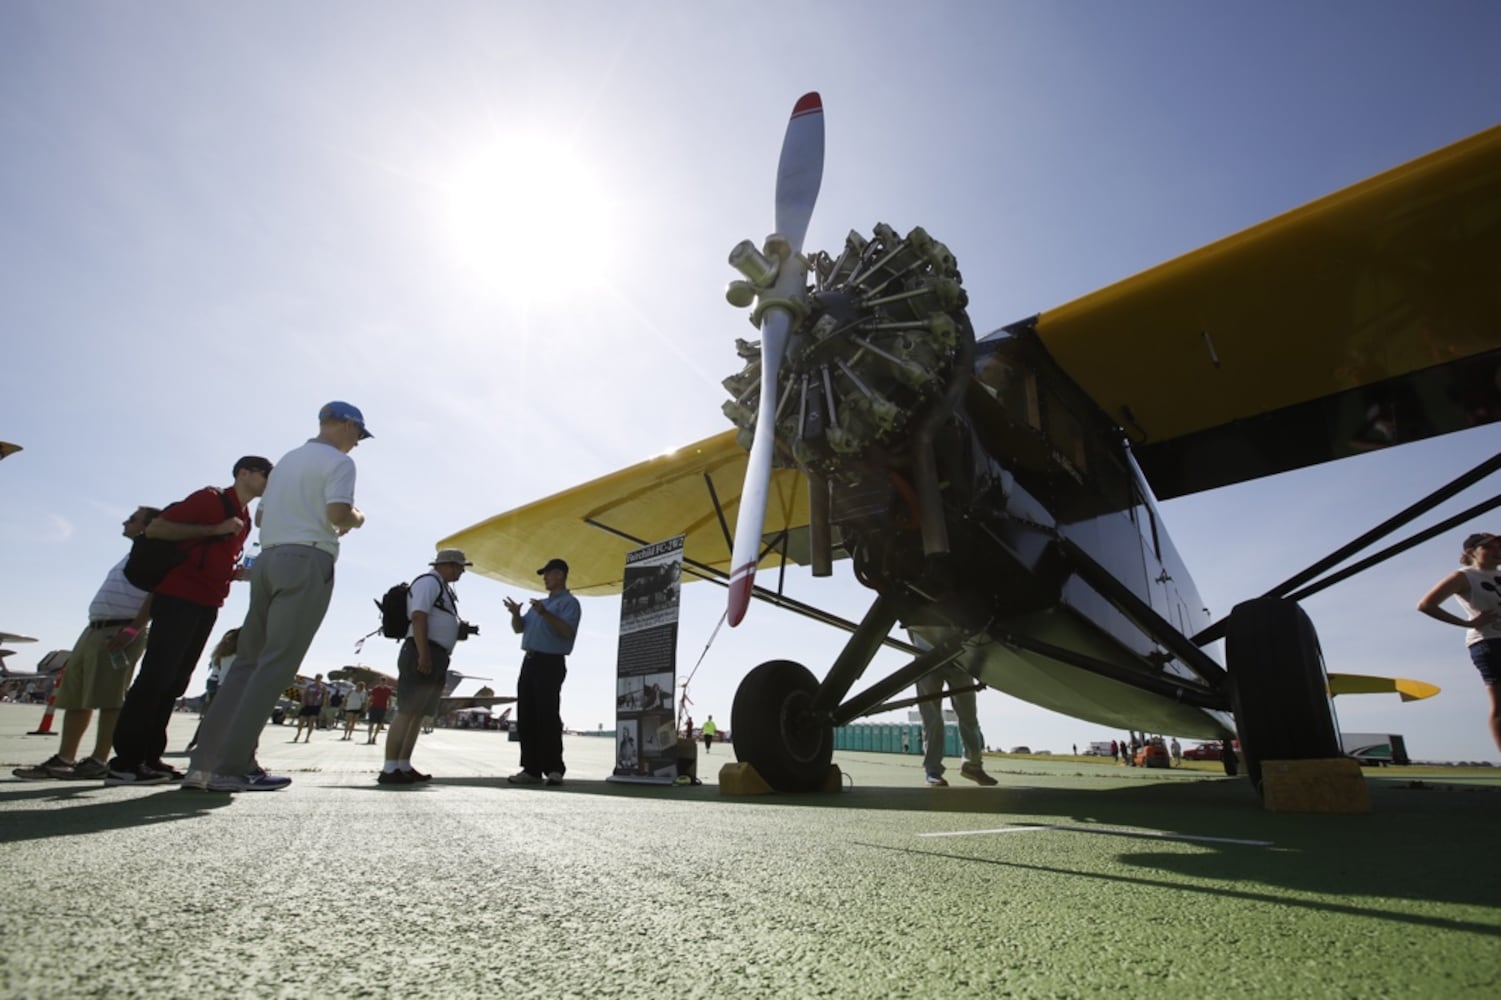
(448, 703)
(47, 669)
(997, 494)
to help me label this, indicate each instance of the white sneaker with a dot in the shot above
(554, 777)
(525, 778)
(936, 780)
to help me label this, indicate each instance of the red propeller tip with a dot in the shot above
(807, 104)
(740, 595)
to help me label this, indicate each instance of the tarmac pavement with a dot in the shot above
(1064, 880)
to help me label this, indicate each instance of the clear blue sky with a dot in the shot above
(218, 217)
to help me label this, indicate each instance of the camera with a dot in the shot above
(466, 629)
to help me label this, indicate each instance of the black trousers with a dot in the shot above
(179, 631)
(539, 719)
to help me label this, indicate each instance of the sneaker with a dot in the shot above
(525, 778)
(264, 782)
(418, 775)
(936, 780)
(254, 781)
(134, 776)
(261, 782)
(554, 777)
(395, 778)
(976, 774)
(165, 770)
(53, 767)
(91, 770)
(195, 781)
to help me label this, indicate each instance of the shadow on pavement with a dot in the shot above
(96, 814)
(1420, 842)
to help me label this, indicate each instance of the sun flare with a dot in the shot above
(530, 217)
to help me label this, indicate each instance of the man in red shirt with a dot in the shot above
(184, 607)
(380, 700)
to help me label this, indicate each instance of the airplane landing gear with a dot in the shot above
(775, 731)
(1278, 687)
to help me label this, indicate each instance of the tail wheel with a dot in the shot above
(775, 730)
(1278, 687)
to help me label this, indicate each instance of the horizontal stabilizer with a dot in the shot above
(1410, 690)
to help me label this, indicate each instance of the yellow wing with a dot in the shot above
(1363, 319)
(593, 526)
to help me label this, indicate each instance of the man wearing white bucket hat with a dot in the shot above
(422, 664)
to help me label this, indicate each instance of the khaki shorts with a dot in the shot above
(91, 680)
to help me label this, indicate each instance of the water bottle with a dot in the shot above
(119, 658)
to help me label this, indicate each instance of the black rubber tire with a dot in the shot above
(1228, 760)
(775, 733)
(1279, 690)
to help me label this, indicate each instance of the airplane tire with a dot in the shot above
(1279, 691)
(775, 732)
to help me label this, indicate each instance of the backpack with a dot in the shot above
(151, 559)
(393, 608)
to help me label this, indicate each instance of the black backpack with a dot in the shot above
(151, 559)
(393, 608)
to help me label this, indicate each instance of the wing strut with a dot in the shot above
(778, 541)
(1288, 588)
(704, 571)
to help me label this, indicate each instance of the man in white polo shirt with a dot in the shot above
(308, 506)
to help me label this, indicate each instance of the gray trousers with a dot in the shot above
(932, 718)
(290, 587)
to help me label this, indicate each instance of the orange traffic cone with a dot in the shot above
(46, 727)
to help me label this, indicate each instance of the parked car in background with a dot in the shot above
(1154, 754)
(1204, 751)
(1020, 750)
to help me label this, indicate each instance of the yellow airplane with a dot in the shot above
(997, 494)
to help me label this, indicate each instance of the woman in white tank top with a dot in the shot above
(1476, 587)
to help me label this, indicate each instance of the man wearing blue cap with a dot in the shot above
(547, 632)
(308, 506)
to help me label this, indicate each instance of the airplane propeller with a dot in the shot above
(777, 276)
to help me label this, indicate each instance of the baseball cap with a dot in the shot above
(254, 463)
(1478, 539)
(455, 556)
(554, 564)
(338, 410)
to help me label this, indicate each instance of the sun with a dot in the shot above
(530, 217)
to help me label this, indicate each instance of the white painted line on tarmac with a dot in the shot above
(1144, 834)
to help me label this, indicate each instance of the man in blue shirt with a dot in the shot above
(547, 632)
